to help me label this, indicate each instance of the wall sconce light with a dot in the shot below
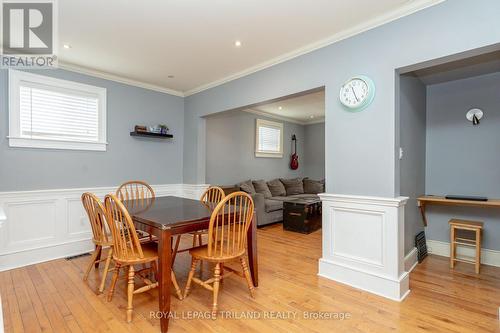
(474, 115)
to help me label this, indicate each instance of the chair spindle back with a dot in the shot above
(135, 193)
(97, 216)
(213, 194)
(126, 242)
(229, 223)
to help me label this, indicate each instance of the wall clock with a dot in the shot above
(357, 93)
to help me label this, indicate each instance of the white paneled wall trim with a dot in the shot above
(2, 217)
(37, 226)
(411, 260)
(363, 244)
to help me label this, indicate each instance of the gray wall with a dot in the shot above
(231, 150)
(313, 157)
(157, 162)
(361, 150)
(412, 117)
(461, 158)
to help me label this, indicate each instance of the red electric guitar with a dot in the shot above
(294, 162)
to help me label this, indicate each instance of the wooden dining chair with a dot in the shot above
(227, 241)
(136, 190)
(97, 216)
(129, 251)
(136, 194)
(213, 195)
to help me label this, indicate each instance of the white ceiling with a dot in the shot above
(305, 109)
(144, 42)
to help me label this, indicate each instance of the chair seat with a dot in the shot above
(103, 243)
(201, 252)
(466, 224)
(149, 250)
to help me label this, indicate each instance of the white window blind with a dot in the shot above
(53, 113)
(56, 115)
(269, 139)
(269, 136)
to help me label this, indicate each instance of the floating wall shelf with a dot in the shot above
(152, 135)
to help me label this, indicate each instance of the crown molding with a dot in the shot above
(117, 78)
(282, 118)
(320, 120)
(411, 7)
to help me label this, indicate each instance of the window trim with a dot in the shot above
(15, 138)
(268, 123)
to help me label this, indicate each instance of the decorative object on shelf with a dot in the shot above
(159, 131)
(163, 129)
(357, 93)
(294, 160)
(474, 115)
(139, 128)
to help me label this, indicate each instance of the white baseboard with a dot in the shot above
(395, 289)
(488, 257)
(51, 224)
(411, 260)
(363, 244)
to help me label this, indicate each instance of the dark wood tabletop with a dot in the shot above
(167, 212)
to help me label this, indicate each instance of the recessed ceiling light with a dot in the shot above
(312, 117)
(171, 76)
(67, 46)
(237, 43)
(280, 107)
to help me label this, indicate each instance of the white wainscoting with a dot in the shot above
(411, 260)
(488, 257)
(3, 218)
(363, 243)
(50, 224)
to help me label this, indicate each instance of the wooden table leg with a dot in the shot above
(164, 279)
(252, 251)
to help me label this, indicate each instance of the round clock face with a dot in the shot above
(356, 93)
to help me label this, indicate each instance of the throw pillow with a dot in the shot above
(261, 187)
(277, 188)
(247, 187)
(314, 186)
(293, 186)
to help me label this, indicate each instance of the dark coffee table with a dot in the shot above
(302, 215)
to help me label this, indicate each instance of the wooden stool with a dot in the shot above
(475, 227)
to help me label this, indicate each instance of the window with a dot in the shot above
(268, 139)
(55, 114)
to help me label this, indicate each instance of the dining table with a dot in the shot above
(168, 216)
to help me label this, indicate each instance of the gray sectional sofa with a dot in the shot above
(269, 196)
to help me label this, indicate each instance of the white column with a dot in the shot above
(363, 243)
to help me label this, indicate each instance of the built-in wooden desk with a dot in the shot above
(442, 201)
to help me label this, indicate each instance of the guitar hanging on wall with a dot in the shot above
(294, 161)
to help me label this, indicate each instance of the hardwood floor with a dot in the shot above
(52, 297)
